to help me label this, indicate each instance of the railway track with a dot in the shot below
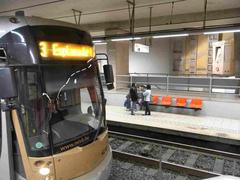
(154, 163)
(191, 160)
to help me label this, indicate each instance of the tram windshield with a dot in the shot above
(61, 107)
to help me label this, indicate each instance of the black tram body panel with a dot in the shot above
(19, 40)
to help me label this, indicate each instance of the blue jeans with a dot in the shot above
(133, 106)
(147, 108)
(127, 103)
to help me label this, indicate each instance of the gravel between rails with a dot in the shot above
(192, 178)
(128, 171)
(179, 157)
(144, 149)
(155, 151)
(115, 143)
(237, 169)
(135, 148)
(228, 168)
(205, 162)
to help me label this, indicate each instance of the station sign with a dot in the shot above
(141, 48)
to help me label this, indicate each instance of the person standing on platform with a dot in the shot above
(133, 97)
(147, 99)
(127, 102)
(140, 96)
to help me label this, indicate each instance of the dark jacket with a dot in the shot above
(133, 94)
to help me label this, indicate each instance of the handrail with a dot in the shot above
(209, 75)
(181, 83)
(187, 77)
(187, 82)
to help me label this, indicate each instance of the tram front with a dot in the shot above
(59, 120)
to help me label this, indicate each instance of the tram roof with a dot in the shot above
(7, 24)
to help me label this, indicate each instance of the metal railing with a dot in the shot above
(194, 83)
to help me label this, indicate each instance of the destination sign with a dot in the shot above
(65, 51)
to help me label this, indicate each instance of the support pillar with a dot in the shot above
(118, 53)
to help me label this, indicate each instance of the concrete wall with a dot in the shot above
(161, 58)
(237, 53)
(157, 61)
(229, 60)
(118, 53)
(101, 49)
(122, 56)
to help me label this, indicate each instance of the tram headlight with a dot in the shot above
(44, 171)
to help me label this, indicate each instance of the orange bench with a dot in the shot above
(154, 99)
(166, 101)
(196, 103)
(181, 102)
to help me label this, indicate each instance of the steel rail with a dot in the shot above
(150, 162)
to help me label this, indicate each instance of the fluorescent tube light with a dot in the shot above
(100, 43)
(97, 41)
(222, 31)
(126, 39)
(171, 35)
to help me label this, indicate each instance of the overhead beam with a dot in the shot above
(164, 20)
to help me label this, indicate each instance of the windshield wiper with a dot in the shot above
(70, 77)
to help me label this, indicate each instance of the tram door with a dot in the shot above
(7, 91)
(5, 146)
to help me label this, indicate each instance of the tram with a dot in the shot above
(52, 123)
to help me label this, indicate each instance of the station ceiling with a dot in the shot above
(109, 11)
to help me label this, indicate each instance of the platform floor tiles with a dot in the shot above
(211, 126)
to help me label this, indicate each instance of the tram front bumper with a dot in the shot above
(101, 172)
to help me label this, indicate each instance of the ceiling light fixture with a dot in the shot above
(126, 39)
(97, 41)
(171, 35)
(100, 43)
(222, 31)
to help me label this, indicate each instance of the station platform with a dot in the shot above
(209, 128)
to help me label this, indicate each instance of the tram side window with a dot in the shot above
(3, 55)
(32, 108)
(3, 58)
(36, 113)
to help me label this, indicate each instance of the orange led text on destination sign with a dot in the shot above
(64, 51)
